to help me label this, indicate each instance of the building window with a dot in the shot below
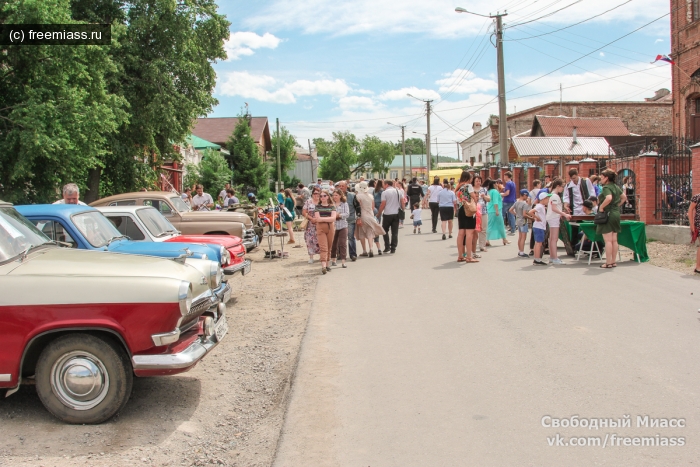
(696, 10)
(394, 174)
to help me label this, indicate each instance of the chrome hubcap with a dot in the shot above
(79, 380)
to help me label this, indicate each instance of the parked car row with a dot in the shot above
(90, 298)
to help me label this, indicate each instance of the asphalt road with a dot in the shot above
(417, 360)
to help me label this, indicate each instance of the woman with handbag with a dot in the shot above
(608, 218)
(466, 218)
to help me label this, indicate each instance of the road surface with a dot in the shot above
(417, 360)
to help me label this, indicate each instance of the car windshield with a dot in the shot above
(155, 222)
(17, 234)
(96, 228)
(179, 204)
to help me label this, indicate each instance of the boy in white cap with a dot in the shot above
(539, 227)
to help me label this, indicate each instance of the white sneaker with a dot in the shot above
(311, 261)
(556, 261)
(333, 263)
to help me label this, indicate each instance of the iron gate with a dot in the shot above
(674, 181)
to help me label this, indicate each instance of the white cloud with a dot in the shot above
(357, 102)
(402, 93)
(465, 82)
(602, 54)
(244, 42)
(268, 89)
(436, 17)
(658, 40)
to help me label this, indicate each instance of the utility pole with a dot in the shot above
(459, 156)
(313, 172)
(427, 135)
(502, 124)
(437, 153)
(279, 164)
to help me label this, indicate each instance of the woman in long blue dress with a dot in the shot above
(496, 229)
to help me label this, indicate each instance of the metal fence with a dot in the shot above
(674, 181)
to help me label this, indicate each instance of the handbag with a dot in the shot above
(469, 206)
(402, 213)
(304, 224)
(601, 218)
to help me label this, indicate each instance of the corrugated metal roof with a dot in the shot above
(560, 146)
(564, 126)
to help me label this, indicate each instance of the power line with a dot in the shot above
(544, 16)
(569, 26)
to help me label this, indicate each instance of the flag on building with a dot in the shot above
(664, 58)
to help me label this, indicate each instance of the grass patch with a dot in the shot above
(651, 240)
(686, 261)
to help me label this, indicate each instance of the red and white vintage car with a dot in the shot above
(81, 324)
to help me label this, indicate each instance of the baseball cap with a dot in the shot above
(542, 196)
(524, 192)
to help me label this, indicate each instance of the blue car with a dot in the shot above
(86, 228)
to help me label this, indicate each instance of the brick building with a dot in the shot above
(685, 51)
(647, 118)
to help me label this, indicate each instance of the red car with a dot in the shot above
(146, 223)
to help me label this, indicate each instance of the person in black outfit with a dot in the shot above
(414, 192)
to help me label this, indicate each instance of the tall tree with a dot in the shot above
(249, 169)
(214, 171)
(164, 72)
(56, 112)
(288, 155)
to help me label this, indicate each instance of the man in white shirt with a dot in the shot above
(578, 188)
(71, 195)
(392, 201)
(202, 201)
(222, 194)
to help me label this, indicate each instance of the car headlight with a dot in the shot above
(216, 275)
(184, 297)
(225, 256)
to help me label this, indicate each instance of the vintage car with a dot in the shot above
(186, 221)
(146, 223)
(81, 324)
(86, 228)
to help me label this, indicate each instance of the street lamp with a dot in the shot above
(427, 137)
(502, 127)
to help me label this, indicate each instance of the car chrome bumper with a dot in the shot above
(250, 240)
(243, 268)
(223, 293)
(177, 361)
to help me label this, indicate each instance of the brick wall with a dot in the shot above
(685, 47)
(642, 118)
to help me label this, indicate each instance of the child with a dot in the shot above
(520, 211)
(539, 214)
(554, 214)
(415, 215)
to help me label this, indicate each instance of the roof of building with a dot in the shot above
(200, 144)
(517, 115)
(414, 160)
(218, 130)
(561, 146)
(585, 126)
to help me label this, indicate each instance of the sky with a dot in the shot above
(327, 66)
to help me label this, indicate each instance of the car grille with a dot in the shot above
(198, 307)
(249, 234)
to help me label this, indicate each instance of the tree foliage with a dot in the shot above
(288, 155)
(346, 156)
(213, 171)
(249, 170)
(104, 116)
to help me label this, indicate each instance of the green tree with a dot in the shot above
(249, 170)
(375, 155)
(339, 156)
(56, 111)
(413, 146)
(214, 171)
(163, 58)
(288, 155)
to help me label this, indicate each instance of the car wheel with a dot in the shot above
(81, 378)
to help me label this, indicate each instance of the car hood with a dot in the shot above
(228, 241)
(217, 216)
(61, 262)
(165, 249)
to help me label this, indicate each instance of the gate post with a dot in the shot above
(549, 168)
(531, 176)
(587, 167)
(695, 164)
(484, 174)
(647, 188)
(493, 172)
(517, 178)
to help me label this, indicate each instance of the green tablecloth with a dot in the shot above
(632, 236)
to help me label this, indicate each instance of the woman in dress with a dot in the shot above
(482, 216)
(289, 218)
(496, 230)
(694, 220)
(466, 224)
(433, 204)
(340, 240)
(325, 215)
(310, 235)
(366, 227)
(447, 202)
(610, 199)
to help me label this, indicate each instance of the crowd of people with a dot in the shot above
(337, 219)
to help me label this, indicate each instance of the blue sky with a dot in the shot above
(322, 66)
